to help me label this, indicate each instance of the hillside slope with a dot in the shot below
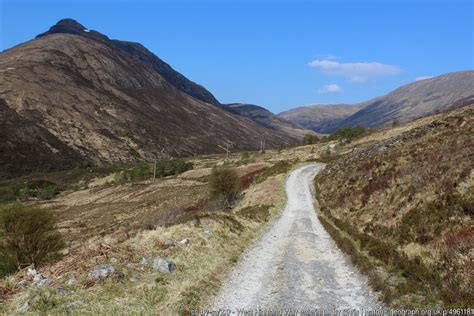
(417, 99)
(402, 207)
(111, 101)
(267, 119)
(409, 102)
(322, 118)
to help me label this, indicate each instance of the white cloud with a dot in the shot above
(331, 88)
(355, 72)
(423, 78)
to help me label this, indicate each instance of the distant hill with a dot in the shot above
(267, 119)
(83, 98)
(322, 118)
(417, 99)
(414, 100)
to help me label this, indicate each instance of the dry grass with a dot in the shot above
(407, 203)
(121, 224)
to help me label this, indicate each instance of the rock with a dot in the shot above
(31, 272)
(43, 282)
(23, 307)
(184, 242)
(164, 265)
(62, 291)
(114, 260)
(71, 281)
(170, 243)
(75, 304)
(102, 271)
(22, 282)
(134, 279)
(145, 261)
(208, 232)
(38, 277)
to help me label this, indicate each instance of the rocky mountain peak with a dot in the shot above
(71, 26)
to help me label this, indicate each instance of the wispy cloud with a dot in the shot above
(355, 72)
(331, 88)
(423, 78)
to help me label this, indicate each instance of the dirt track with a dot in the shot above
(296, 264)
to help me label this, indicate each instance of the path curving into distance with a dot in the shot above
(295, 264)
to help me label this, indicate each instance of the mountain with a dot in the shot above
(417, 99)
(88, 99)
(265, 118)
(414, 100)
(322, 118)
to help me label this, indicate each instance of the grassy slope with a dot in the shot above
(120, 224)
(402, 208)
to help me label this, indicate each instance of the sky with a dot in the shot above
(278, 54)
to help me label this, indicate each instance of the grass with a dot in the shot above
(199, 270)
(405, 208)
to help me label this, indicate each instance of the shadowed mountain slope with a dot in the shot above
(106, 101)
(265, 118)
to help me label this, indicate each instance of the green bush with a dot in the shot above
(309, 139)
(224, 184)
(41, 189)
(163, 169)
(28, 236)
(172, 167)
(348, 133)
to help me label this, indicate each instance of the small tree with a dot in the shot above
(224, 184)
(28, 235)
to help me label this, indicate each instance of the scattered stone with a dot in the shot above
(208, 232)
(184, 242)
(75, 304)
(170, 243)
(134, 279)
(31, 272)
(62, 291)
(114, 260)
(38, 277)
(164, 265)
(43, 282)
(145, 261)
(71, 281)
(22, 282)
(130, 264)
(102, 271)
(23, 307)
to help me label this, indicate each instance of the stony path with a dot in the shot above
(295, 264)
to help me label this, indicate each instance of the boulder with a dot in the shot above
(164, 265)
(184, 242)
(102, 271)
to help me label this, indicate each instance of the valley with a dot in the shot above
(119, 224)
(128, 188)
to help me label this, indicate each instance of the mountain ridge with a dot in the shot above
(406, 103)
(108, 102)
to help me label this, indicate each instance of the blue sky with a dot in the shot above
(278, 54)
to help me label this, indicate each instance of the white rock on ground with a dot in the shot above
(164, 265)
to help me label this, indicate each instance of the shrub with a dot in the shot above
(28, 236)
(309, 139)
(224, 184)
(348, 133)
(163, 169)
(41, 189)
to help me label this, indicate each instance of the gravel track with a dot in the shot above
(295, 264)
